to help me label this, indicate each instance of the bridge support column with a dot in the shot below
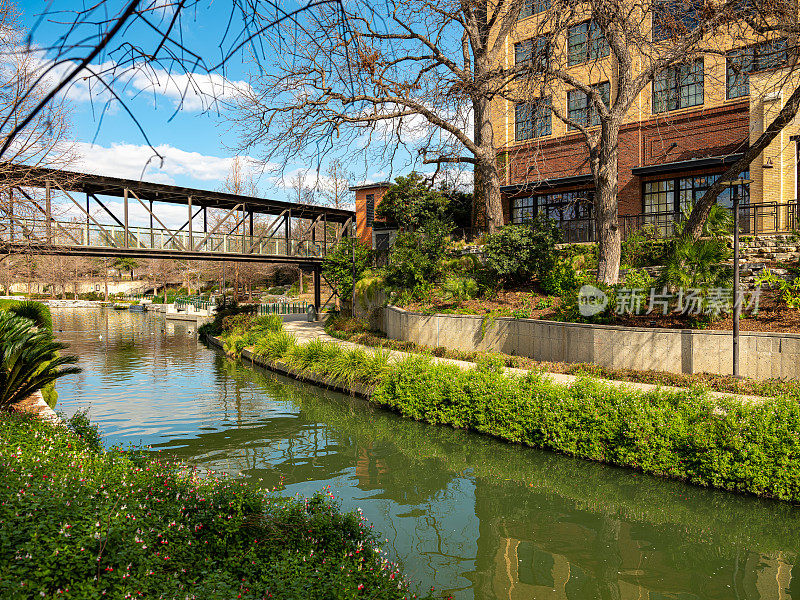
(317, 289)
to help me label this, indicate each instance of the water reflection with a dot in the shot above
(468, 515)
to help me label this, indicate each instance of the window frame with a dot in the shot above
(579, 202)
(673, 75)
(694, 186)
(588, 108)
(369, 209)
(592, 50)
(533, 7)
(538, 122)
(529, 51)
(755, 54)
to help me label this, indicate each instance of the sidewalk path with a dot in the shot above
(306, 331)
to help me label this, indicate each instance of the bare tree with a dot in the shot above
(42, 142)
(162, 54)
(624, 47)
(378, 76)
(334, 189)
(302, 192)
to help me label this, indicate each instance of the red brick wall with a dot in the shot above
(695, 134)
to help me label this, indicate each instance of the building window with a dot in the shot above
(523, 209)
(534, 51)
(677, 87)
(560, 206)
(677, 195)
(370, 209)
(532, 120)
(659, 196)
(581, 110)
(533, 7)
(674, 18)
(585, 42)
(743, 61)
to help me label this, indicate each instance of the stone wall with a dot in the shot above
(762, 355)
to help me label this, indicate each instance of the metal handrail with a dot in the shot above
(77, 234)
(283, 308)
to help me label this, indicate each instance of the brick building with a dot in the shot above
(684, 130)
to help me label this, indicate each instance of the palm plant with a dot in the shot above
(36, 312)
(718, 223)
(697, 265)
(29, 359)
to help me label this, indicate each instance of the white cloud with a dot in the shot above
(98, 83)
(188, 91)
(134, 161)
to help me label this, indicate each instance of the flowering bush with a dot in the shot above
(76, 522)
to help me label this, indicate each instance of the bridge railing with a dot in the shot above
(70, 233)
(195, 302)
(283, 308)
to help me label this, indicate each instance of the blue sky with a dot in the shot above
(195, 140)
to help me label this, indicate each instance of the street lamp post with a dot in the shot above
(737, 295)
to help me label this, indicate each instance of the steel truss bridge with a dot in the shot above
(243, 228)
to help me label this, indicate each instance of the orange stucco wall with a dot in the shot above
(365, 233)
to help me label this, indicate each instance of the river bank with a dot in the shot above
(719, 441)
(475, 517)
(165, 531)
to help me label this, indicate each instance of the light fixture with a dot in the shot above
(768, 164)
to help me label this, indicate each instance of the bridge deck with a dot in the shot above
(297, 233)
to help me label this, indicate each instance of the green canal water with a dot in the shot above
(470, 516)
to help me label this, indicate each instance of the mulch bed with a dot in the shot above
(529, 302)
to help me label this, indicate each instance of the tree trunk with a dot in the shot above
(694, 225)
(236, 283)
(486, 175)
(609, 235)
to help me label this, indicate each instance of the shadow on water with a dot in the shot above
(470, 515)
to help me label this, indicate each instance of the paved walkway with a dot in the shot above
(306, 331)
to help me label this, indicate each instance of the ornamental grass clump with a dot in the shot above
(274, 346)
(78, 522)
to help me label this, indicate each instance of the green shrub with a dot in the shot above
(789, 290)
(415, 259)
(517, 253)
(239, 321)
(226, 308)
(411, 203)
(274, 346)
(266, 323)
(743, 447)
(644, 248)
(560, 278)
(94, 524)
(460, 288)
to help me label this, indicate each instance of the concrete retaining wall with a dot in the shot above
(762, 355)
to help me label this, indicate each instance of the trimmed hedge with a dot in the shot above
(687, 435)
(722, 443)
(80, 522)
